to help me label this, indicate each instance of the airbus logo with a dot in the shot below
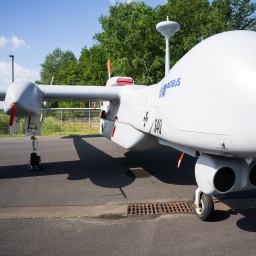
(172, 83)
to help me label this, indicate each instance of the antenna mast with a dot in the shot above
(167, 29)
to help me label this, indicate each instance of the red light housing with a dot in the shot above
(124, 81)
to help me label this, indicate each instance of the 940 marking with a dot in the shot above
(158, 126)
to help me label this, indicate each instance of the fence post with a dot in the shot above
(61, 120)
(89, 113)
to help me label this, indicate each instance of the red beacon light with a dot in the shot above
(124, 81)
(119, 81)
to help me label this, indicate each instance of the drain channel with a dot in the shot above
(159, 208)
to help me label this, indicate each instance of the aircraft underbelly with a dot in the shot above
(215, 143)
(130, 138)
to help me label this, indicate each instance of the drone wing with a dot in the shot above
(26, 97)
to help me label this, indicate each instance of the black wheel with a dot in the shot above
(206, 207)
(34, 162)
(33, 159)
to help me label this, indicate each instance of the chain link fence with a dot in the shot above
(77, 121)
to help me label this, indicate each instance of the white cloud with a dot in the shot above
(20, 74)
(3, 42)
(14, 42)
(17, 42)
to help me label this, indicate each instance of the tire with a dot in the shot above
(206, 207)
(33, 159)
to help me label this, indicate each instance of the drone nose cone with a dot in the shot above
(24, 96)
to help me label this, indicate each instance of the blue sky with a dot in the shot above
(31, 29)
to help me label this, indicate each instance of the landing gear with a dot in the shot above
(32, 128)
(34, 162)
(203, 205)
(35, 157)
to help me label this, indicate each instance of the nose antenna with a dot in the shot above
(167, 29)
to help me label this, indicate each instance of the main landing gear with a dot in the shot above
(35, 157)
(203, 205)
(32, 128)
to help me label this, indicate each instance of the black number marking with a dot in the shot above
(158, 126)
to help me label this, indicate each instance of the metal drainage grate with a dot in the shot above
(159, 208)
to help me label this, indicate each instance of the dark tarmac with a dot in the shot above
(76, 204)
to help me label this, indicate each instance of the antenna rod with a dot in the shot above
(167, 29)
(167, 56)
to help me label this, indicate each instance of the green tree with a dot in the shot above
(128, 38)
(68, 70)
(236, 14)
(61, 65)
(92, 66)
(137, 49)
(197, 20)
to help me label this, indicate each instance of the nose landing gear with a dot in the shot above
(203, 205)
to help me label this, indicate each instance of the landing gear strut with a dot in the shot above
(32, 128)
(35, 157)
(203, 205)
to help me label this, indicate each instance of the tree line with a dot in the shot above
(130, 40)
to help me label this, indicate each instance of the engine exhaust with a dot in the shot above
(252, 175)
(224, 179)
(219, 175)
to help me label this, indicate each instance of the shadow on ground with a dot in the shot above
(106, 171)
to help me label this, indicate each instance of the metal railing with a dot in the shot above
(71, 121)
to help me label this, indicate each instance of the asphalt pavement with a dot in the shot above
(76, 204)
